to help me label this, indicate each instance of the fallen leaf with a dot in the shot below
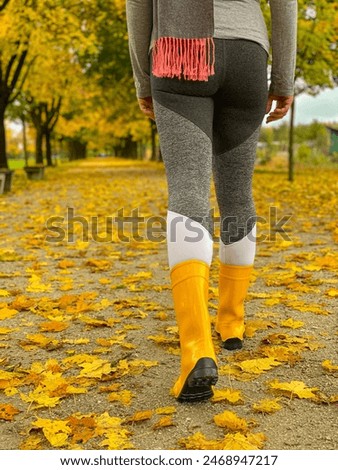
(7, 412)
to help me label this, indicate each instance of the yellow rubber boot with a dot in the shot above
(190, 283)
(233, 287)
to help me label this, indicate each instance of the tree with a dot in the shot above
(316, 67)
(29, 30)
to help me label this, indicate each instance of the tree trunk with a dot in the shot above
(24, 141)
(291, 149)
(48, 149)
(153, 140)
(38, 146)
(3, 154)
(76, 149)
(130, 147)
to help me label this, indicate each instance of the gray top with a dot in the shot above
(233, 19)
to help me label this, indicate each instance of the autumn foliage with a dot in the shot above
(88, 340)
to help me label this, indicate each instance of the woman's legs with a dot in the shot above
(204, 128)
(184, 117)
(239, 110)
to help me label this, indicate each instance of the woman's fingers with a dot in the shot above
(283, 104)
(146, 106)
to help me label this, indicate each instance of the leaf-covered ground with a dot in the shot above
(88, 340)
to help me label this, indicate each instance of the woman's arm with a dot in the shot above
(284, 15)
(284, 46)
(139, 25)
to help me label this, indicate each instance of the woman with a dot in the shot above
(200, 70)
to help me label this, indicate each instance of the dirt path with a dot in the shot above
(87, 328)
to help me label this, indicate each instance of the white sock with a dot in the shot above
(187, 239)
(241, 253)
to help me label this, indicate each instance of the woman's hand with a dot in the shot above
(146, 106)
(281, 109)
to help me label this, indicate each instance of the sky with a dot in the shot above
(322, 108)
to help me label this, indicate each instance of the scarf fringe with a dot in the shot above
(192, 57)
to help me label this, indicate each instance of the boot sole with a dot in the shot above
(197, 387)
(232, 344)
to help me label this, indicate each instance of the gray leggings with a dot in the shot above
(212, 128)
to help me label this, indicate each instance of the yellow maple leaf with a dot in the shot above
(294, 388)
(76, 341)
(332, 292)
(7, 411)
(167, 410)
(161, 339)
(6, 312)
(106, 422)
(327, 365)
(93, 321)
(65, 263)
(37, 340)
(111, 388)
(40, 396)
(31, 443)
(253, 325)
(240, 441)
(164, 422)
(267, 406)
(228, 395)
(257, 366)
(96, 368)
(5, 331)
(22, 302)
(4, 293)
(134, 367)
(79, 359)
(53, 326)
(198, 442)
(117, 439)
(138, 416)
(231, 421)
(35, 285)
(99, 264)
(123, 396)
(161, 316)
(290, 353)
(82, 427)
(291, 323)
(55, 431)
